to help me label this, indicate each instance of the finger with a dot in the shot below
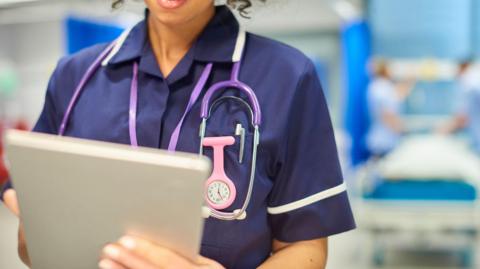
(22, 246)
(109, 264)
(125, 258)
(156, 255)
(208, 263)
(10, 200)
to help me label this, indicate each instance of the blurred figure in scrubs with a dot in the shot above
(385, 100)
(468, 109)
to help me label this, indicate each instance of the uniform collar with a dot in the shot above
(218, 40)
(215, 44)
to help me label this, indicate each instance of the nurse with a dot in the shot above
(385, 100)
(467, 114)
(299, 198)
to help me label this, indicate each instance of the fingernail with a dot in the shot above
(128, 243)
(105, 264)
(112, 251)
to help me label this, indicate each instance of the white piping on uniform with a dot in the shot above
(308, 200)
(236, 57)
(220, 2)
(239, 45)
(119, 43)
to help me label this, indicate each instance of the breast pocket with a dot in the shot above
(237, 158)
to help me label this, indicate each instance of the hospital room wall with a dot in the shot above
(32, 46)
(428, 28)
(33, 40)
(476, 32)
(25, 41)
(4, 46)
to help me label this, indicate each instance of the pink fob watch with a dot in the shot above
(220, 192)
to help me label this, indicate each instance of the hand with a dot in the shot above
(10, 199)
(136, 253)
(442, 130)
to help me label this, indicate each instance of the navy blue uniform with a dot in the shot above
(299, 192)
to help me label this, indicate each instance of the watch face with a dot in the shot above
(218, 192)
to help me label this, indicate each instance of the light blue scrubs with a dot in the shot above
(382, 98)
(470, 106)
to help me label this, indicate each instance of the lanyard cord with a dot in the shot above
(172, 146)
(132, 111)
(132, 122)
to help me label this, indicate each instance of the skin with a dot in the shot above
(458, 122)
(10, 200)
(172, 33)
(393, 121)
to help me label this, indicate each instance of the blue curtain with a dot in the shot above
(356, 53)
(82, 33)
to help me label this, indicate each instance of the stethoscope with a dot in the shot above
(220, 191)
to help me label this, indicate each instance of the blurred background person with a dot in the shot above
(467, 114)
(385, 101)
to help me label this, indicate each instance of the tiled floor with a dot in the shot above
(347, 251)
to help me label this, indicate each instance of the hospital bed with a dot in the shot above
(423, 196)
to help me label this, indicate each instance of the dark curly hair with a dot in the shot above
(241, 5)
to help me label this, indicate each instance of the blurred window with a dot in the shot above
(432, 99)
(422, 28)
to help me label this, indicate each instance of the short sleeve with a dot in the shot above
(461, 97)
(50, 117)
(48, 121)
(309, 198)
(382, 97)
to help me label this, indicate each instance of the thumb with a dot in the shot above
(10, 200)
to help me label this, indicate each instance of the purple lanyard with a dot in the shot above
(132, 113)
(172, 146)
(132, 123)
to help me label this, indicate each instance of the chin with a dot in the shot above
(185, 12)
(168, 18)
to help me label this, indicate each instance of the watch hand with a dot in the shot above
(219, 194)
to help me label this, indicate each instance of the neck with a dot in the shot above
(170, 43)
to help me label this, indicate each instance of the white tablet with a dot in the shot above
(76, 196)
